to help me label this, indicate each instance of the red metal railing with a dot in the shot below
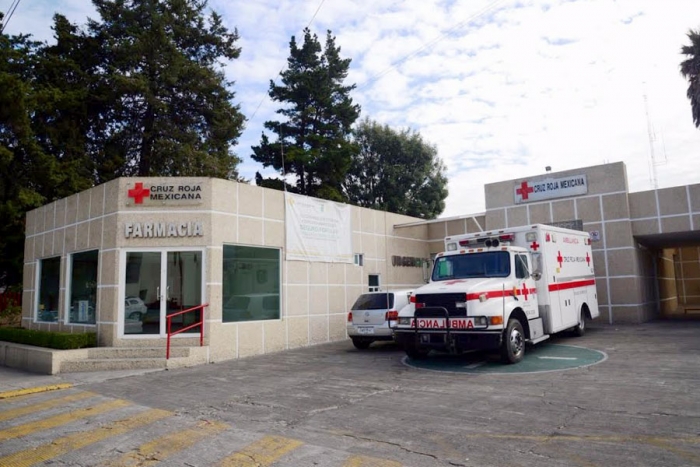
(199, 323)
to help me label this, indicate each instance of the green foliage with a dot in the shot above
(690, 69)
(51, 340)
(314, 138)
(11, 316)
(396, 171)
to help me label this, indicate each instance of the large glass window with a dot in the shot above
(83, 287)
(489, 264)
(251, 288)
(49, 286)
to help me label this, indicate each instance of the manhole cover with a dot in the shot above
(543, 357)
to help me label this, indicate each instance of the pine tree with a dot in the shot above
(314, 139)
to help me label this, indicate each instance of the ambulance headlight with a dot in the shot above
(405, 321)
(481, 321)
(451, 247)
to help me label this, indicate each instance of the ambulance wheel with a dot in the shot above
(361, 343)
(580, 328)
(415, 352)
(513, 346)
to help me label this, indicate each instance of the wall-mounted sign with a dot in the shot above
(159, 194)
(595, 235)
(528, 191)
(163, 229)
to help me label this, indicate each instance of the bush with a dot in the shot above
(51, 340)
(11, 316)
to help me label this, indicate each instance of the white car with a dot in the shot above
(251, 307)
(369, 318)
(134, 308)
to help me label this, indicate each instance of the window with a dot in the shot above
(359, 259)
(49, 284)
(251, 284)
(374, 301)
(489, 264)
(83, 287)
(521, 270)
(373, 282)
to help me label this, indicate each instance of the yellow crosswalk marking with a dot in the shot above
(80, 440)
(366, 461)
(24, 392)
(62, 419)
(157, 450)
(261, 453)
(20, 411)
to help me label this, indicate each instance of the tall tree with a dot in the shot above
(396, 171)
(166, 106)
(314, 139)
(690, 69)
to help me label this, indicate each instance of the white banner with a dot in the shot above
(318, 230)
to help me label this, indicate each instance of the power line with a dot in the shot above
(445, 34)
(280, 72)
(10, 11)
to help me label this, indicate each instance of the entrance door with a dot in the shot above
(158, 284)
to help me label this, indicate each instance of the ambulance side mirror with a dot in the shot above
(536, 266)
(536, 275)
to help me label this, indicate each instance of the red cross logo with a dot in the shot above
(534, 245)
(560, 260)
(525, 291)
(588, 259)
(138, 193)
(524, 190)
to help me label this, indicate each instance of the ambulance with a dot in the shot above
(501, 290)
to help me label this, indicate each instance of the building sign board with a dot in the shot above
(528, 191)
(163, 229)
(175, 193)
(318, 230)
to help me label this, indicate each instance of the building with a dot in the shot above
(281, 271)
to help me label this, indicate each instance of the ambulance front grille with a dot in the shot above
(446, 300)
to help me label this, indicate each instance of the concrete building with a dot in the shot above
(119, 258)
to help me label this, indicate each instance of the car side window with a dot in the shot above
(521, 267)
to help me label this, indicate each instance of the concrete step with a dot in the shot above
(102, 353)
(108, 364)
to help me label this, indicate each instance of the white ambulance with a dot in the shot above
(500, 290)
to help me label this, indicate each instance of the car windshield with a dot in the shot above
(488, 264)
(374, 301)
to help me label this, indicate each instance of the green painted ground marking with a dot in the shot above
(540, 358)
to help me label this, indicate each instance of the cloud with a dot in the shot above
(502, 88)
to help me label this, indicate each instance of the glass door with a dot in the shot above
(157, 284)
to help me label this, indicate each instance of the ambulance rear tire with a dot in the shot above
(513, 345)
(416, 352)
(580, 328)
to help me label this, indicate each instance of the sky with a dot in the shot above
(502, 88)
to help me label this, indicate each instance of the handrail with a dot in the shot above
(199, 323)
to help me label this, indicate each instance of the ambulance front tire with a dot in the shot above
(513, 345)
(361, 343)
(580, 328)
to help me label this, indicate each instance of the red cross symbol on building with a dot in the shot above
(588, 259)
(560, 260)
(139, 192)
(534, 245)
(525, 291)
(524, 190)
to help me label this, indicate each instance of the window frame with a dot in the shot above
(69, 287)
(37, 293)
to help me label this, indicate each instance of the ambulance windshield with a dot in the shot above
(488, 264)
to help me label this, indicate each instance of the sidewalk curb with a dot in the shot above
(34, 390)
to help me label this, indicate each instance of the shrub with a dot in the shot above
(51, 340)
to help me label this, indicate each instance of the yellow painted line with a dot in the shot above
(261, 453)
(24, 392)
(18, 412)
(77, 441)
(62, 419)
(366, 461)
(160, 449)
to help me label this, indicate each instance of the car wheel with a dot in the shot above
(513, 345)
(416, 352)
(580, 328)
(361, 343)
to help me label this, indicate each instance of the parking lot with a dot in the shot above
(334, 405)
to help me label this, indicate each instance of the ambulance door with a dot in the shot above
(567, 302)
(527, 288)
